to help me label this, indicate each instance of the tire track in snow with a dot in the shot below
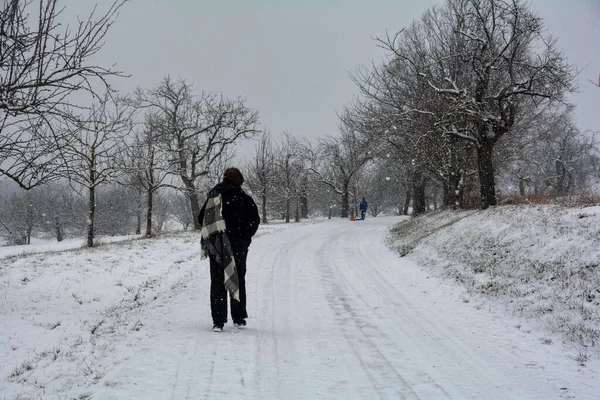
(267, 348)
(402, 320)
(384, 377)
(307, 361)
(415, 324)
(420, 330)
(449, 360)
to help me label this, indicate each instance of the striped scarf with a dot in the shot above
(215, 243)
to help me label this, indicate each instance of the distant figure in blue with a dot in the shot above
(363, 208)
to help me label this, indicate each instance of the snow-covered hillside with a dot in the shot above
(334, 314)
(542, 262)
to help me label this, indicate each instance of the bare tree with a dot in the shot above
(567, 164)
(378, 184)
(261, 172)
(196, 130)
(19, 216)
(61, 209)
(288, 163)
(161, 213)
(338, 159)
(43, 62)
(546, 154)
(115, 212)
(147, 164)
(457, 81)
(181, 210)
(510, 62)
(90, 147)
(401, 114)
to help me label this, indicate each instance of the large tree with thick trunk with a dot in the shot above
(458, 80)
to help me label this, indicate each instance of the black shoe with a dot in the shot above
(240, 324)
(218, 328)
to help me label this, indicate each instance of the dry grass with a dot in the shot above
(541, 261)
(570, 201)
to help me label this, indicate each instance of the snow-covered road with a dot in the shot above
(334, 314)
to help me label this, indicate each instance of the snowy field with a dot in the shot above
(334, 314)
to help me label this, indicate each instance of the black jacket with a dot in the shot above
(239, 212)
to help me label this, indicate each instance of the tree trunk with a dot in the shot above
(30, 218)
(304, 206)
(419, 201)
(418, 190)
(460, 191)
(195, 209)
(447, 195)
(522, 187)
(297, 209)
(138, 226)
(451, 191)
(263, 198)
(58, 231)
(193, 197)
(149, 213)
(91, 216)
(486, 174)
(287, 210)
(407, 199)
(345, 200)
(561, 180)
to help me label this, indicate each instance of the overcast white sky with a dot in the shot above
(291, 59)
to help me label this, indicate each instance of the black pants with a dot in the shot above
(362, 214)
(218, 292)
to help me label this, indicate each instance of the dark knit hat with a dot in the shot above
(233, 176)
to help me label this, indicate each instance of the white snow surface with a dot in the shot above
(334, 314)
(540, 262)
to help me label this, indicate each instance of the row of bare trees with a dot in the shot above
(288, 175)
(469, 102)
(56, 210)
(277, 176)
(472, 91)
(163, 138)
(60, 119)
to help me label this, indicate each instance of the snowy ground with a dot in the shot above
(334, 314)
(51, 245)
(541, 262)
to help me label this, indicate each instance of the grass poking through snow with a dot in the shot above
(542, 262)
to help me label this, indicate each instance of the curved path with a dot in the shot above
(335, 314)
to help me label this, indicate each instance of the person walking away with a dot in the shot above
(363, 208)
(229, 220)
